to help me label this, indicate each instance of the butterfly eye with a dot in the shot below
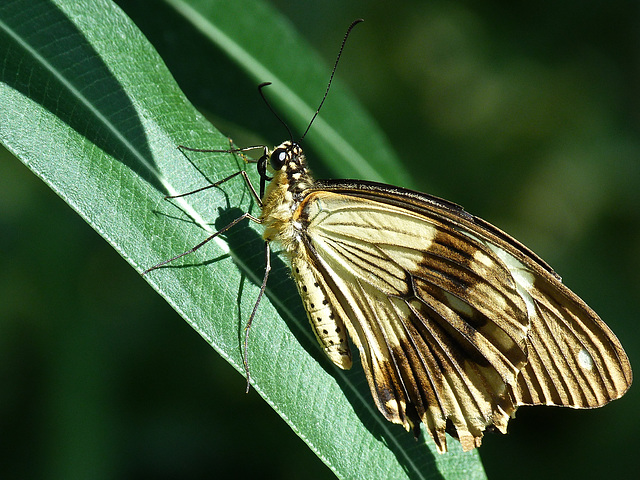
(278, 157)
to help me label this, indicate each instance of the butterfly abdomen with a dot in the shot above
(328, 327)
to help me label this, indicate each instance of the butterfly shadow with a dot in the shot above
(281, 290)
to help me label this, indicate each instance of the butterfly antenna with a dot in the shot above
(333, 72)
(260, 87)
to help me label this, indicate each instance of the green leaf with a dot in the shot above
(89, 107)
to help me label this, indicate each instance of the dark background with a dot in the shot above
(525, 113)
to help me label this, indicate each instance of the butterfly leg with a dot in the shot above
(255, 195)
(205, 241)
(263, 287)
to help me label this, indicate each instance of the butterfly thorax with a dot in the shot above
(291, 181)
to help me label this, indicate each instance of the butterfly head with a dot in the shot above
(288, 166)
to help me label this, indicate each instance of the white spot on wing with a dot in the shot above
(585, 360)
(522, 276)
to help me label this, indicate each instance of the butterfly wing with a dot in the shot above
(456, 323)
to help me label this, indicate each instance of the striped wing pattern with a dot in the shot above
(456, 323)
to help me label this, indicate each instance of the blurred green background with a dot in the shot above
(526, 114)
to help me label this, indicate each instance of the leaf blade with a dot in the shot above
(112, 156)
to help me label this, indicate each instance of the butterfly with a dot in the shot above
(456, 323)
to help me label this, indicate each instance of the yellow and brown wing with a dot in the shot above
(456, 323)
